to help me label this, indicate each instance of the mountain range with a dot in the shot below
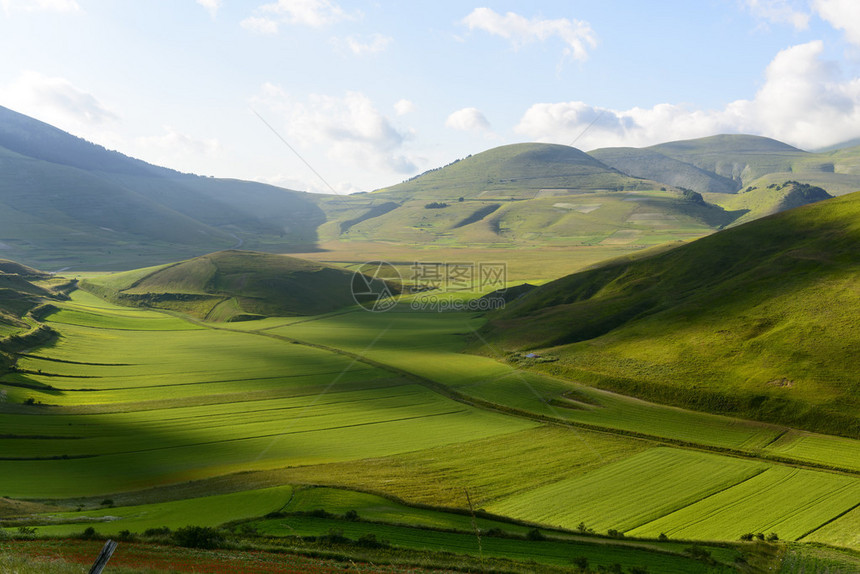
(67, 203)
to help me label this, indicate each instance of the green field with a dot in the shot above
(182, 422)
(790, 502)
(632, 492)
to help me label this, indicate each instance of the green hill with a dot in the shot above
(65, 202)
(232, 286)
(759, 320)
(22, 290)
(651, 164)
(522, 195)
(758, 161)
(521, 171)
(18, 295)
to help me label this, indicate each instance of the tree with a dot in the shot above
(198, 537)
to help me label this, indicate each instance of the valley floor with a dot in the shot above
(141, 419)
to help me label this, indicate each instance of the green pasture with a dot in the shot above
(788, 501)
(204, 511)
(806, 446)
(135, 399)
(842, 531)
(632, 492)
(553, 552)
(428, 345)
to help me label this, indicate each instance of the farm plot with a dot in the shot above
(631, 492)
(428, 345)
(555, 552)
(139, 408)
(203, 511)
(843, 531)
(788, 501)
(835, 451)
(488, 469)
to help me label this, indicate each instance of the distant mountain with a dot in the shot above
(756, 167)
(758, 320)
(843, 145)
(651, 164)
(65, 202)
(232, 286)
(522, 194)
(515, 171)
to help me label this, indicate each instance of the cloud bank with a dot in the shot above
(804, 101)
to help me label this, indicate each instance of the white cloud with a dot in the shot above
(576, 34)
(780, 12)
(314, 13)
(211, 6)
(10, 6)
(371, 45)
(804, 101)
(842, 15)
(468, 119)
(349, 128)
(259, 25)
(404, 106)
(56, 101)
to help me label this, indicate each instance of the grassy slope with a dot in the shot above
(517, 170)
(651, 164)
(759, 320)
(230, 285)
(746, 159)
(521, 195)
(66, 202)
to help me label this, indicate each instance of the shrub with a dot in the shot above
(772, 537)
(581, 562)
(615, 533)
(699, 553)
(88, 534)
(535, 535)
(198, 537)
(162, 531)
(107, 502)
(662, 537)
(436, 205)
(333, 537)
(370, 541)
(351, 515)
(747, 536)
(126, 536)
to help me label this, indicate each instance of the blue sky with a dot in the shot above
(372, 92)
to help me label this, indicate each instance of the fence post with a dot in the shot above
(104, 556)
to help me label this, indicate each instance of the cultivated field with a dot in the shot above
(154, 420)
